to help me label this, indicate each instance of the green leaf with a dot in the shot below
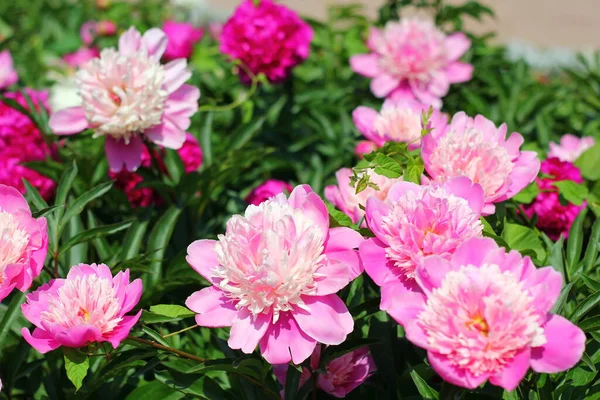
(562, 298)
(584, 307)
(588, 361)
(591, 324)
(591, 252)
(76, 365)
(154, 390)
(133, 239)
(426, 391)
(414, 170)
(205, 139)
(172, 311)
(45, 211)
(575, 243)
(94, 233)
(589, 163)
(528, 194)
(34, 197)
(11, 314)
(64, 185)
(387, 166)
(157, 244)
(591, 283)
(338, 218)
(174, 165)
(573, 192)
(522, 238)
(77, 206)
(487, 228)
(292, 382)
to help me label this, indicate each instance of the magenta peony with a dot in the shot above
(554, 218)
(23, 242)
(182, 37)
(570, 147)
(80, 57)
(128, 96)
(266, 190)
(275, 274)
(8, 75)
(485, 314)
(476, 148)
(413, 59)
(268, 38)
(89, 306)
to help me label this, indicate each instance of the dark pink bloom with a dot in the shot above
(182, 37)
(268, 38)
(554, 218)
(81, 56)
(266, 190)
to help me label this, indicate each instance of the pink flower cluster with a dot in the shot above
(267, 38)
(266, 190)
(182, 37)
(570, 147)
(22, 142)
(8, 75)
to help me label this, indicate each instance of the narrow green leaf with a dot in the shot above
(157, 244)
(98, 232)
(79, 253)
(575, 243)
(133, 240)
(591, 252)
(588, 361)
(591, 324)
(76, 206)
(172, 311)
(591, 283)
(34, 197)
(292, 383)
(205, 139)
(76, 365)
(64, 185)
(424, 389)
(100, 244)
(174, 165)
(44, 212)
(562, 298)
(154, 390)
(12, 313)
(586, 305)
(246, 133)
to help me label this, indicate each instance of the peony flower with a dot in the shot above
(22, 142)
(80, 57)
(364, 147)
(570, 147)
(8, 75)
(266, 190)
(267, 38)
(23, 242)
(554, 218)
(89, 306)
(413, 59)
(182, 37)
(398, 121)
(415, 222)
(128, 96)
(485, 315)
(64, 94)
(91, 29)
(274, 275)
(344, 196)
(477, 149)
(342, 375)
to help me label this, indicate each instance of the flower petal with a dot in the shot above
(403, 301)
(453, 374)
(78, 336)
(214, 309)
(40, 340)
(364, 118)
(377, 265)
(365, 64)
(384, 84)
(473, 251)
(511, 375)
(156, 42)
(458, 72)
(121, 154)
(328, 308)
(176, 73)
(564, 347)
(166, 134)
(202, 257)
(472, 192)
(122, 330)
(457, 44)
(431, 272)
(130, 42)
(333, 277)
(68, 121)
(285, 342)
(247, 330)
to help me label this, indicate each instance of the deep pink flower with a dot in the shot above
(398, 121)
(476, 148)
(343, 374)
(182, 37)
(413, 59)
(128, 96)
(485, 314)
(364, 147)
(344, 196)
(23, 242)
(8, 75)
(554, 218)
(89, 306)
(81, 57)
(275, 274)
(266, 190)
(570, 147)
(268, 38)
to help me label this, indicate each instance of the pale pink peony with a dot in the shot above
(415, 222)
(344, 196)
(485, 314)
(413, 59)
(89, 306)
(268, 38)
(80, 57)
(182, 37)
(398, 121)
(554, 218)
(128, 96)
(274, 275)
(266, 190)
(570, 147)
(342, 375)
(476, 148)
(23, 242)
(8, 75)
(364, 147)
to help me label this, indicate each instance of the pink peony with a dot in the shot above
(342, 375)
(266, 190)
(554, 218)
(398, 121)
(81, 57)
(91, 29)
(23, 242)
(182, 37)
(8, 75)
(22, 142)
(89, 306)
(485, 314)
(364, 147)
(344, 196)
(570, 147)
(477, 149)
(415, 222)
(274, 275)
(413, 59)
(128, 96)
(268, 38)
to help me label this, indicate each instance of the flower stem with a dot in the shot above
(181, 331)
(166, 348)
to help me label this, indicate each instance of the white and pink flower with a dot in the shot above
(570, 147)
(8, 75)
(128, 96)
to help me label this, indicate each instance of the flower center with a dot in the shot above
(268, 259)
(398, 124)
(13, 242)
(122, 95)
(479, 318)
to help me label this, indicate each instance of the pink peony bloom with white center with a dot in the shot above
(89, 306)
(570, 147)
(23, 242)
(8, 75)
(344, 196)
(476, 148)
(485, 314)
(413, 59)
(128, 96)
(274, 275)
(415, 222)
(398, 121)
